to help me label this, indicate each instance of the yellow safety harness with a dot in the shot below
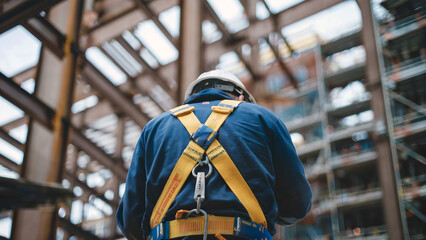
(217, 155)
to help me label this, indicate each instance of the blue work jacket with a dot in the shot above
(255, 139)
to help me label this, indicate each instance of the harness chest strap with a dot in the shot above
(217, 155)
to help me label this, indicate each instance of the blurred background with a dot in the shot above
(80, 79)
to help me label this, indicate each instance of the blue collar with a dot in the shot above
(208, 95)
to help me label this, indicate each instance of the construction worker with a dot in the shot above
(214, 167)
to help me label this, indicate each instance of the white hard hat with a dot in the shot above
(220, 75)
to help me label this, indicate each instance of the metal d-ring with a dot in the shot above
(208, 173)
(203, 162)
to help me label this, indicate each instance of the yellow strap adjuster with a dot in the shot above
(182, 110)
(224, 110)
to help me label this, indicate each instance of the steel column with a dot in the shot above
(393, 209)
(45, 154)
(190, 45)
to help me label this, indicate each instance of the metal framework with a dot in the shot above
(72, 145)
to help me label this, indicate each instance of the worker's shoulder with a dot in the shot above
(160, 119)
(256, 110)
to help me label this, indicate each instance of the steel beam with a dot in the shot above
(9, 164)
(96, 79)
(277, 30)
(115, 28)
(25, 75)
(12, 14)
(386, 158)
(85, 145)
(5, 136)
(143, 81)
(282, 64)
(341, 44)
(47, 34)
(190, 60)
(44, 114)
(229, 38)
(257, 88)
(15, 123)
(32, 106)
(262, 28)
(152, 72)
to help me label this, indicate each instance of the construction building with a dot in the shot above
(80, 79)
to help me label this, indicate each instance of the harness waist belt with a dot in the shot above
(235, 226)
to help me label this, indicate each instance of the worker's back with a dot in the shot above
(258, 144)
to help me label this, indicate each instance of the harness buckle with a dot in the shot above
(160, 232)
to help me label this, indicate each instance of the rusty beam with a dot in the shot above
(393, 207)
(13, 14)
(5, 136)
(96, 79)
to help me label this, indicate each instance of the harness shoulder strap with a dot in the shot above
(187, 161)
(205, 139)
(226, 167)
